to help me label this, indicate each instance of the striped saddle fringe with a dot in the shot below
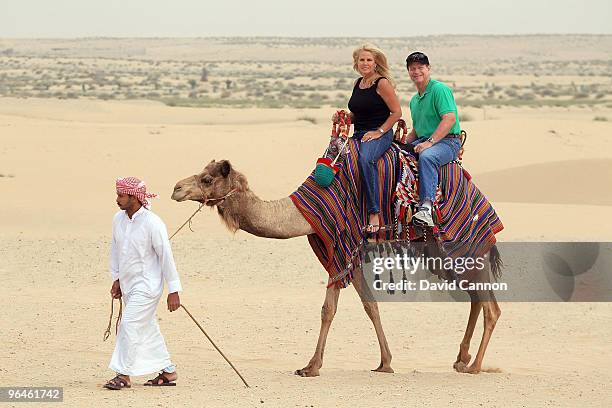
(466, 222)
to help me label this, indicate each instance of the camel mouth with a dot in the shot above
(181, 198)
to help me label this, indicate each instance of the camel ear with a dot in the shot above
(225, 168)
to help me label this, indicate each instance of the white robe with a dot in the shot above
(141, 258)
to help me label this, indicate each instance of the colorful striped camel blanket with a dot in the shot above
(337, 213)
(466, 221)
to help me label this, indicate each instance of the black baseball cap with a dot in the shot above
(418, 57)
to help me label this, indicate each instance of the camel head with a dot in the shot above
(211, 185)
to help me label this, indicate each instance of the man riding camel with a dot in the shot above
(435, 134)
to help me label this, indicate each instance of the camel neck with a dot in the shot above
(268, 219)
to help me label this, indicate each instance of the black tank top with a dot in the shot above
(369, 110)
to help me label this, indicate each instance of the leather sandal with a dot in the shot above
(154, 382)
(117, 383)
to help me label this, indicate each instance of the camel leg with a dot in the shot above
(371, 309)
(327, 315)
(463, 358)
(491, 313)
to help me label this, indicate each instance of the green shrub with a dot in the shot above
(308, 119)
(465, 117)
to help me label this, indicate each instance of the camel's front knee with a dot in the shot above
(497, 311)
(370, 308)
(327, 313)
(491, 316)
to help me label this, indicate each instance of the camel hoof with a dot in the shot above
(462, 359)
(461, 367)
(307, 372)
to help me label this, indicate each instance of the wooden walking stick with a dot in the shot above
(191, 316)
(215, 346)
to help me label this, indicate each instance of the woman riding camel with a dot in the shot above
(374, 110)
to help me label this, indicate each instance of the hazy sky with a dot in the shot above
(201, 18)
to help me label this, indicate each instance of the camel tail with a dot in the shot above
(496, 262)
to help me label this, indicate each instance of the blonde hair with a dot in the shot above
(382, 66)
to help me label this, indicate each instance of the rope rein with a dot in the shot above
(110, 320)
(187, 222)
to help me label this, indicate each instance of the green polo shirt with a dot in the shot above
(427, 109)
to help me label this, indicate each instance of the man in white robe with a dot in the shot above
(141, 260)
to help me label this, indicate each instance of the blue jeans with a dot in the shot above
(430, 161)
(369, 153)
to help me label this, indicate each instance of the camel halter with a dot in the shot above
(202, 204)
(206, 200)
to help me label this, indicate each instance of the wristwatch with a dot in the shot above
(431, 140)
(381, 130)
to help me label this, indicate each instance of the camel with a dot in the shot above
(220, 185)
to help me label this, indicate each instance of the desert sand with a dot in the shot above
(544, 160)
(260, 299)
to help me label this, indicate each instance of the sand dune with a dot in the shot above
(260, 299)
(560, 182)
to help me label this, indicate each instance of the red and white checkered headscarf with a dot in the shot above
(135, 187)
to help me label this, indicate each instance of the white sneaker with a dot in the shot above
(423, 218)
